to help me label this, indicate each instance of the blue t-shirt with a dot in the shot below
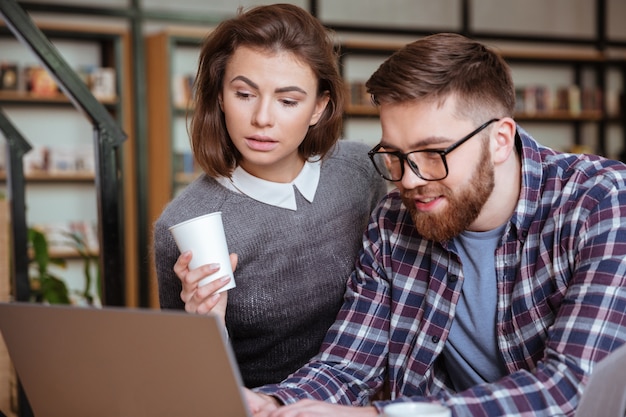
(471, 352)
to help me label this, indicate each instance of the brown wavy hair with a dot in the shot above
(444, 64)
(277, 27)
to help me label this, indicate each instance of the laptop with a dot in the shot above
(605, 393)
(121, 362)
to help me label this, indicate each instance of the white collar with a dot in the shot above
(275, 193)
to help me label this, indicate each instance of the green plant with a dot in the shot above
(47, 287)
(89, 260)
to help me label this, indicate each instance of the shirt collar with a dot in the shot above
(273, 193)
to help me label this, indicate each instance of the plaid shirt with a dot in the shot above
(561, 271)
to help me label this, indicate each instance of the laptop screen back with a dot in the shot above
(77, 362)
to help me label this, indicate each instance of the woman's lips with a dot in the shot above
(262, 144)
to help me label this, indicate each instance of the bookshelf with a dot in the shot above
(62, 189)
(540, 75)
(171, 58)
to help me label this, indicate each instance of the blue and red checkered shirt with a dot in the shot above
(561, 271)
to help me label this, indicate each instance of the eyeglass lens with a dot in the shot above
(428, 165)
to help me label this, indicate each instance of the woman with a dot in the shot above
(294, 200)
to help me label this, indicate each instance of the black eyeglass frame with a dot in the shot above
(404, 157)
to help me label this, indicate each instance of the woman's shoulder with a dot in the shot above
(201, 196)
(350, 155)
(347, 147)
(350, 151)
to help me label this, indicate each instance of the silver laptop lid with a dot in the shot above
(120, 362)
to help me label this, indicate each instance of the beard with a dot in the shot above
(463, 207)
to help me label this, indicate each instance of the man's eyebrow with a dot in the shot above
(278, 90)
(431, 141)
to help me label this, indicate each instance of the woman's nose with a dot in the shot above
(263, 114)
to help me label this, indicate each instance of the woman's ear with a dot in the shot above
(320, 106)
(220, 102)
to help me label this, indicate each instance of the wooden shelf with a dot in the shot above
(67, 253)
(361, 110)
(55, 177)
(555, 116)
(517, 53)
(552, 55)
(27, 98)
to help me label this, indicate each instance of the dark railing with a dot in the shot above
(108, 137)
(16, 147)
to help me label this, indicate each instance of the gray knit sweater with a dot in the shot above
(293, 265)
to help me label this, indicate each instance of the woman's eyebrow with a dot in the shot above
(245, 80)
(278, 90)
(290, 88)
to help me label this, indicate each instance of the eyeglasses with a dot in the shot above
(428, 164)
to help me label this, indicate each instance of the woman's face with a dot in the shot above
(269, 100)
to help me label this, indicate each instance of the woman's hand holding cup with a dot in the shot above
(205, 298)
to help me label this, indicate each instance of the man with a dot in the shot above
(493, 279)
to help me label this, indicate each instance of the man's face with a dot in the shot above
(440, 209)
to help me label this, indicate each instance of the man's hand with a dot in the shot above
(260, 404)
(266, 406)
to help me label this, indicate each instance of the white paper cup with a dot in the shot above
(416, 410)
(204, 237)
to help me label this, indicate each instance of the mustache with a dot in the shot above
(424, 190)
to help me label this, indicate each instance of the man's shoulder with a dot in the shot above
(585, 169)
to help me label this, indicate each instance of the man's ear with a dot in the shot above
(504, 139)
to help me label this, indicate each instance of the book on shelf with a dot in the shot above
(77, 160)
(358, 94)
(36, 160)
(39, 82)
(571, 99)
(71, 159)
(35, 80)
(184, 163)
(182, 90)
(613, 103)
(8, 76)
(102, 83)
(591, 99)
